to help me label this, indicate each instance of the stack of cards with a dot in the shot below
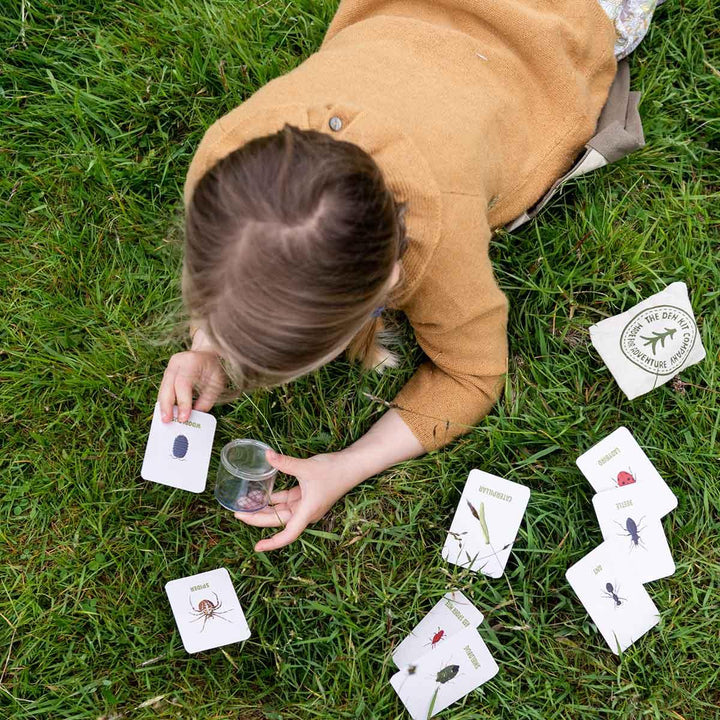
(207, 610)
(631, 499)
(443, 659)
(178, 454)
(486, 523)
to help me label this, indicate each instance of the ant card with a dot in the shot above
(207, 610)
(444, 676)
(619, 462)
(486, 523)
(613, 596)
(630, 522)
(178, 454)
(453, 613)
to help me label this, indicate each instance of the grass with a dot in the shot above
(101, 106)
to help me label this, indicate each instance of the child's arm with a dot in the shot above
(324, 479)
(459, 315)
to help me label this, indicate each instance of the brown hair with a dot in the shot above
(290, 243)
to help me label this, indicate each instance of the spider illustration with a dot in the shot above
(207, 609)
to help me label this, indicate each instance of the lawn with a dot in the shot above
(101, 107)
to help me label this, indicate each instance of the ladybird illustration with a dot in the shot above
(625, 478)
(180, 447)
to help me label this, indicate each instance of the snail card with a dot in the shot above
(615, 599)
(178, 454)
(445, 674)
(207, 610)
(619, 462)
(451, 614)
(630, 521)
(650, 343)
(486, 523)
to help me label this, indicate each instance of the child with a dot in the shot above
(370, 177)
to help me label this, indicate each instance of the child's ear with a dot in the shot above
(396, 273)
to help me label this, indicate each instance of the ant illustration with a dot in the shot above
(180, 447)
(207, 609)
(624, 478)
(612, 594)
(633, 532)
(436, 638)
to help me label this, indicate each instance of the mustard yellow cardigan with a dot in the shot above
(471, 108)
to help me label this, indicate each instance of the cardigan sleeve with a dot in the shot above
(459, 316)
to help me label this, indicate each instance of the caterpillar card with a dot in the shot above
(486, 523)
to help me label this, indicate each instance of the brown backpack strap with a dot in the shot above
(618, 133)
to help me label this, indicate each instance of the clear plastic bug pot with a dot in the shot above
(245, 478)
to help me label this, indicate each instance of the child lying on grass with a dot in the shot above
(370, 177)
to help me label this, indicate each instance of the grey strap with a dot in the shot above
(618, 133)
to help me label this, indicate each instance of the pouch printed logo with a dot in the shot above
(659, 339)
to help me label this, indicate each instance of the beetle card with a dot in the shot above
(207, 610)
(178, 454)
(444, 676)
(486, 522)
(615, 599)
(453, 613)
(630, 522)
(618, 461)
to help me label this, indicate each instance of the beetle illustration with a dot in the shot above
(446, 674)
(436, 638)
(633, 532)
(207, 609)
(180, 447)
(624, 478)
(612, 594)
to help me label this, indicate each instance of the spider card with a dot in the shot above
(618, 461)
(486, 522)
(629, 520)
(453, 613)
(178, 454)
(444, 676)
(613, 596)
(207, 610)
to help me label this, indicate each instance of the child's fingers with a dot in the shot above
(278, 516)
(166, 395)
(282, 497)
(183, 393)
(206, 399)
(284, 463)
(297, 523)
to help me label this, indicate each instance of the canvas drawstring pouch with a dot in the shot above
(650, 343)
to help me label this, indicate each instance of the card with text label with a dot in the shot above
(445, 675)
(207, 610)
(486, 523)
(178, 454)
(615, 599)
(453, 613)
(629, 519)
(618, 461)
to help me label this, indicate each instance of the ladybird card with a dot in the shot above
(486, 522)
(453, 613)
(619, 462)
(630, 522)
(445, 674)
(615, 599)
(207, 610)
(178, 454)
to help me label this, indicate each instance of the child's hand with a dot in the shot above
(322, 480)
(200, 369)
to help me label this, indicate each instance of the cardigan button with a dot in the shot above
(335, 123)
